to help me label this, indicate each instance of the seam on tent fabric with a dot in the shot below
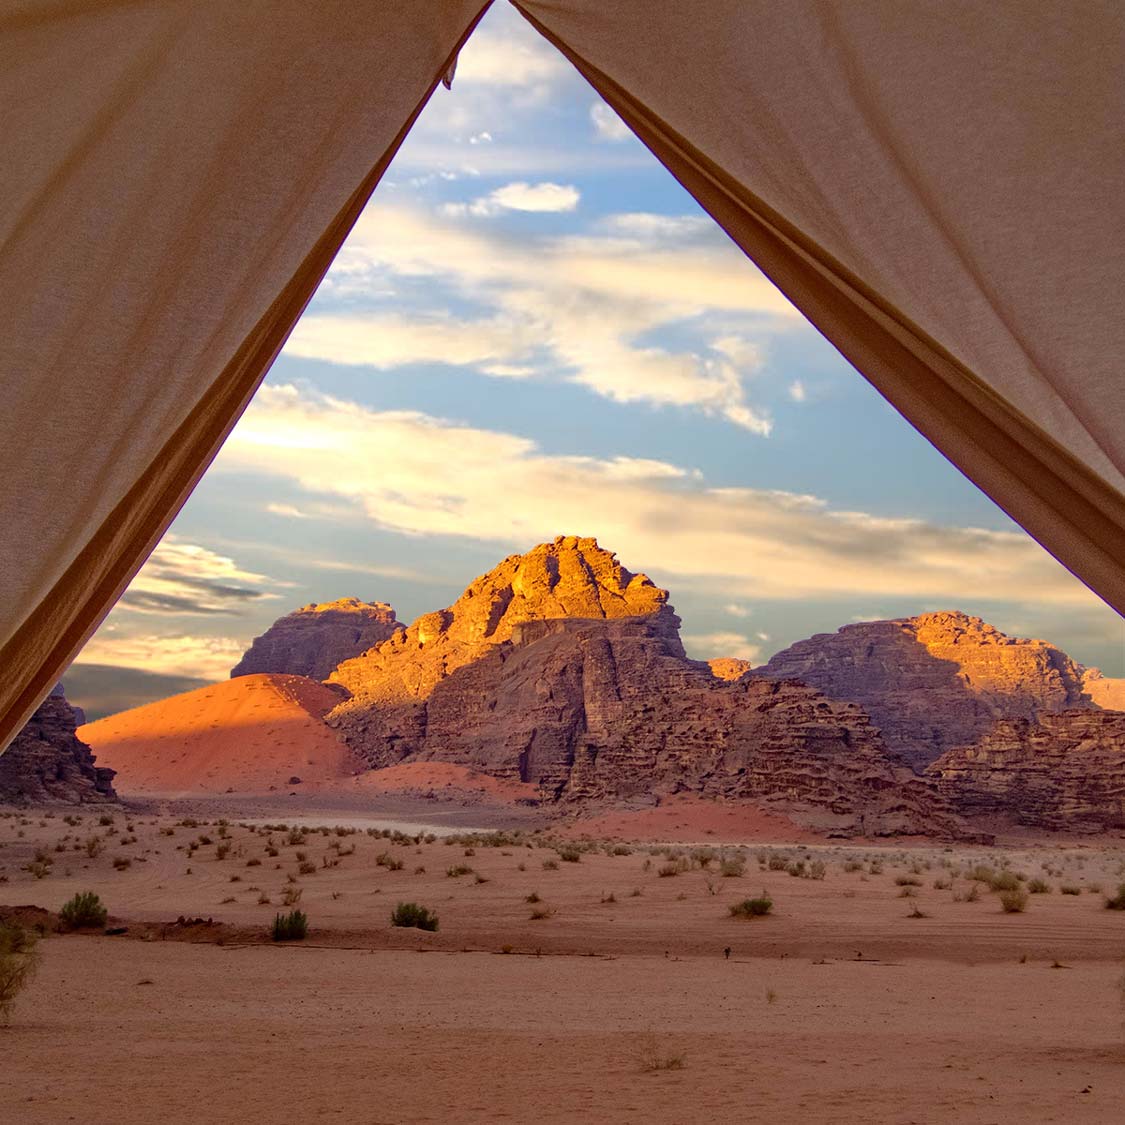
(1092, 548)
(138, 521)
(868, 109)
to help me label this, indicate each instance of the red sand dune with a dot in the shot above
(249, 735)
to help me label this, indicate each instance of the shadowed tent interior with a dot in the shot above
(934, 185)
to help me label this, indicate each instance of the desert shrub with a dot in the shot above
(1038, 887)
(306, 867)
(121, 862)
(290, 896)
(222, 850)
(94, 846)
(732, 868)
(817, 870)
(293, 926)
(667, 870)
(752, 907)
(907, 881)
(457, 870)
(621, 849)
(18, 962)
(853, 865)
(1117, 902)
(83, 911)
(570, 855)
(541, 912)
(1014, 901)
(410, 914)
(550, 865)
(1004, 881)
(777, 863)
(651, 1058)
(533, 897)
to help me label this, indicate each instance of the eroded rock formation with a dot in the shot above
(562, 669)
(312, 640)
(47, 762)
(936, 681)
(1065, 770)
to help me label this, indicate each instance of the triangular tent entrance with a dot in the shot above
(936, 188)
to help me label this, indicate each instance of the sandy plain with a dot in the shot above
(841, 1006)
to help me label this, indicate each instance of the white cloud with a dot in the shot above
(542, 197)
(709, 646)
(797, 391)
(413, 473)
(205, 658)
(733, 609)
(590, 303)
(607, 125)
(508, 59)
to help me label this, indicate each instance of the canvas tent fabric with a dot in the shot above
(167, 211)
(934, 184)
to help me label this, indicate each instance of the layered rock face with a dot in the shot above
(1065, 770)
(934, 682)
(571, 577)
(47, 761)
(562, 669)
(312, 640)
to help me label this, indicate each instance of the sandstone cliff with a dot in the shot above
(562, 669)
(570, 577)
(936, 681)
(312, 640)
(1065, 770)
(47, 762)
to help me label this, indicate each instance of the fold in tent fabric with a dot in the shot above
(177, 178)
(937, 185)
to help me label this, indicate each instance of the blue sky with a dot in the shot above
(533, 330)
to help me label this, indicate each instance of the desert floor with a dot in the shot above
(841, 1006)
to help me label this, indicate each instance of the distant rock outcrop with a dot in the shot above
(729, 667)
(934, 682)
(1065, 770)
(47, 762)
(312, 640)
(562, 669)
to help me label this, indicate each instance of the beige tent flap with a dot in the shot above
(938, 187)
(176, 179)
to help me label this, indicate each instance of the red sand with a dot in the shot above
(441, 779)
(250, 734)
(693, 819)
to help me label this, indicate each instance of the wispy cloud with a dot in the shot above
(709, 646)
(201, 657)
(414, 473)
(186, 578)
